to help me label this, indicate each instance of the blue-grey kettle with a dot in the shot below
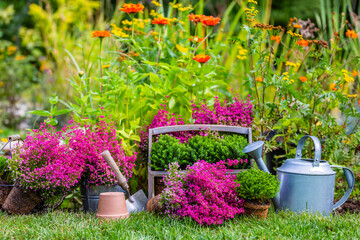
(305, 184)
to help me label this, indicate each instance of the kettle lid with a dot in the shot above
(305, 166)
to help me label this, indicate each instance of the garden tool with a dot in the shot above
(136, 202)
(11, 138)
(305, 184)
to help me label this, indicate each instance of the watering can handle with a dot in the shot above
(317, 145)
(350, 179)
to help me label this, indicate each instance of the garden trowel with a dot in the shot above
(134, 203)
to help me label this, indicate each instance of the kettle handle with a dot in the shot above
(350, 179)
(317, 145)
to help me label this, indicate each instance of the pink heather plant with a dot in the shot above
(205, 193)
(239, 113)
(45, 164)
(89, 142)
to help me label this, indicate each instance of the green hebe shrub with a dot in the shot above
(210, 148)
(166, 150)
(256, 185)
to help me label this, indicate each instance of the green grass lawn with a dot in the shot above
(284, 225)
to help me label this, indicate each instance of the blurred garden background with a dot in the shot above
(297, 62)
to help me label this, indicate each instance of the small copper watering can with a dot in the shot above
(305, 184)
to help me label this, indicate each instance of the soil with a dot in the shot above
(351, 206)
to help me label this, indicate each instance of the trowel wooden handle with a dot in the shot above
(121, 179)
(14, 137)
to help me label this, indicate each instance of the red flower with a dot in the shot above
(210, 20)
(202, 58)
(100, 34)
(195, 18)
(303, 79)
(132, 8)
(161, 21)
(277, 39)
(195, 38)
(302, 42)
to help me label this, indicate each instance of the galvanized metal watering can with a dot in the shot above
(305, 184)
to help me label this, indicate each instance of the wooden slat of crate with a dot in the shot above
(193, 127)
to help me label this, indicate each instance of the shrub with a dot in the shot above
(168, 149)
(256, 185)
(205, 193)
(5, 173)
(211, 148)
(89, 141)
(45, 164)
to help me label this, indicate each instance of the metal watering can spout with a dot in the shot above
(255, 151)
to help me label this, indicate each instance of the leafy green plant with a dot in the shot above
(5, 173)
(256, 185)
(210, 148)
(166, 150)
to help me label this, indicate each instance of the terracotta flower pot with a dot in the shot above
(255, 209)
(112, 205)
(153, 205)
(20, 201)
(4, 191)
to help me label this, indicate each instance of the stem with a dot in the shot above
(158, 55)
(201, 42)
(251, 69)
(101, 74)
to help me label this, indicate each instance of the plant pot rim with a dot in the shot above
(257, 205)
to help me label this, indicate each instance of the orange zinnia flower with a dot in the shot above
(100, 34)
(195, 38)
(161, 21)
(258, 79)
(354, 73)
(202, 58)
(333, 86)
(303, 79)
(132, 8)
(275, 38)
(297, 26)
(351, 33)
(195, 18)
(359, 102)
(302, 42)
(210, 20)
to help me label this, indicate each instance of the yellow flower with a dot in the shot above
(4, 140)
(346, 76)
(295, 34)
(252, 1)
(1, 84)
(11, 50)
(156, 3)
(351, 95)
(181, 48)
(153, 13)
(105, 66)
(118, 31)
(242, 53)
(20, 57)
(126, 22)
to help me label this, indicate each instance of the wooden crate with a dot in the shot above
(194, 127)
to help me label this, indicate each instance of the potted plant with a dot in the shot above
(257, 188)
(43, 166)
(88, 141)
